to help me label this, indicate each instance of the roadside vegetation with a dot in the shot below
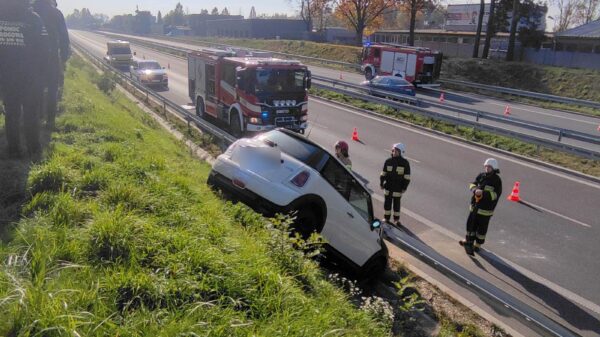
(567, 82)
(116, 233)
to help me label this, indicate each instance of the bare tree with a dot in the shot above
(510, 53)
(479, 26)
(566, 13)
(586, 11)
(490, 31)
(311, 10)
(414, 7)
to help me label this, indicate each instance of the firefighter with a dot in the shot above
(59, 52)
(22, 52)
(394, 180)
(486, 190)
(341, 153)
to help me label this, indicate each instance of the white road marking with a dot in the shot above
(545, 113)
(466, 146)
(559, 215)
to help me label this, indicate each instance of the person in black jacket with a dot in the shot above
(59, 52)
(394, 180)
(486, 190)
(22, 52)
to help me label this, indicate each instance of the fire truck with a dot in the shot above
(249, 91)
(417, 65)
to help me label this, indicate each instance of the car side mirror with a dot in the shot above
(375, 224)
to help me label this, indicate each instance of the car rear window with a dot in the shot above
(303, 151)
(399, 81)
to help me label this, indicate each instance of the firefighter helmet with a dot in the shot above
(491, 162)
(400, 147)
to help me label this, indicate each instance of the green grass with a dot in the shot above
(587, 166)
(120, 236)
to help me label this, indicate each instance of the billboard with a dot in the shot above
(465, 17)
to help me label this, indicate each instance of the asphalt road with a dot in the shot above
(553, 118)
(553, 234)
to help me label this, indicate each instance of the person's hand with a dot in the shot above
(478, 192)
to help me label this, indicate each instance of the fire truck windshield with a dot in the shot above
(280, 80)
(120, 50)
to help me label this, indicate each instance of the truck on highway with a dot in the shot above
(118, 54)
(249, 91)
(418, 65)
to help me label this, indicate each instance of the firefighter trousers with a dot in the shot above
(477, 227)
(392, 198)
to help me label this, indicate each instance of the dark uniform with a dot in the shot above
(59, 52)
(22, 50)
(482, 208)
(394, 180)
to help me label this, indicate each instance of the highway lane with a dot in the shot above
(556, 118)
(559, 246)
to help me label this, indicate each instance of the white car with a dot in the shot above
(281, 171)
(149, 72)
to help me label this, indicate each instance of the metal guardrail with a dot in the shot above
(223, 137)
(529, 315)
(524, 93)
(558, 132)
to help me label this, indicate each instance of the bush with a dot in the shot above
(106, 83)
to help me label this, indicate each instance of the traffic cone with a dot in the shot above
(355, 135)
(442, 97)
(507, 110)
(514, 195)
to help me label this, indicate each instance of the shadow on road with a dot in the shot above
(563, 307)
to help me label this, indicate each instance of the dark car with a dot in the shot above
(395, 84)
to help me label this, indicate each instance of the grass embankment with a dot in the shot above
(567, 82)
(121, 237)
(587, 166)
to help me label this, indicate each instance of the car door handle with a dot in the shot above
(350, 215)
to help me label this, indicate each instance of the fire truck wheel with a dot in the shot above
(234, 124)
(368, 74)
(200, 108)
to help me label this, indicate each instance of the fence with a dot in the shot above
(562, 58)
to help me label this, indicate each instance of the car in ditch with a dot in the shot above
(281, 171)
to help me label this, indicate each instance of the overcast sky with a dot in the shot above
(114, 7)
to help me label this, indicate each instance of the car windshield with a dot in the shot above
(120, 50)
(303, 151)
(380, 80)
(280, 80)
(149, 65)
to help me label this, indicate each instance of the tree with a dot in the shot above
(159, 19)
(309, 9)
(479, 27)
(586, 11)
(566, 13)
(510, 53)
(252, 13)
(175, 17)
(414, 7)
(215, 11)
(363, 15)
(204, 11)
(224, 11)
(490, 31)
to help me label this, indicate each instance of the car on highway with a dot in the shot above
(281, 171)
(394, 84)
(149, 72)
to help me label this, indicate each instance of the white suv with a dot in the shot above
(281, 172)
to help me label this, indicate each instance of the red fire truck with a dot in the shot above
(415, 64)
(249, 91)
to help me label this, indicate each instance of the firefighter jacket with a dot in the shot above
(491, 185)
(23, 48)
(395, 175)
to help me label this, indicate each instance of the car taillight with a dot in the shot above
(301, 178)
(239, 183)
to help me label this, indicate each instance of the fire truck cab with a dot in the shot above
(417, 65)
(249, 91)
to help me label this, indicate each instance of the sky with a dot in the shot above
(115, 7)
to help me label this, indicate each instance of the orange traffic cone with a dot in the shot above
(442, 97)
(507, 110)
(514, 195)
(355, 135)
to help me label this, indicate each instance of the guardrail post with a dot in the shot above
(147, 98)
(477, 117)
(164, 107)
(560, 134)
